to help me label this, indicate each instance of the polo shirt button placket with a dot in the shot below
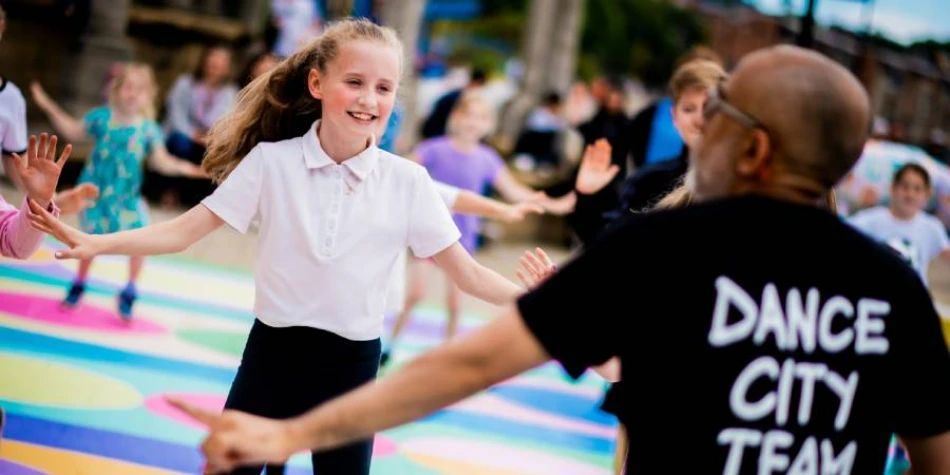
(334, 210)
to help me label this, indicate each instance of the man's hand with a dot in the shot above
(237, 439)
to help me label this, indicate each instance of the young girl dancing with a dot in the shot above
(125, 135)
(460, 159)
(298, 155)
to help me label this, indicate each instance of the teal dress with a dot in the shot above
(115, 166)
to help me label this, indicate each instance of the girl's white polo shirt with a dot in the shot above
(396, 300)
(331, 234)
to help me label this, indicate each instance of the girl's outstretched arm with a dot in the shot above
(162, 238)
(71, 128)
(474, 278)
(486, 284)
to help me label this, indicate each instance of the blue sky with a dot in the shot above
(904, 21)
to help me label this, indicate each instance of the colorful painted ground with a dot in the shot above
(84, 391)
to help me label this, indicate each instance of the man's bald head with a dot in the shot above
(817, 110)
(814, 112)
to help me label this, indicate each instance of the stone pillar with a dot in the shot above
(536, 47)
(564, 45)
(252, 12)
(102, 44)
(405, 16)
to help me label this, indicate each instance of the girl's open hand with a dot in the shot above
(537, 268)
(81, 245)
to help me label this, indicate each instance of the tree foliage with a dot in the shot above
(642, 38)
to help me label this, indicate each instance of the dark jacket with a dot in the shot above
(616, 129)
(594, 213)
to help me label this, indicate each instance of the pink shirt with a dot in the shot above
(17, 238)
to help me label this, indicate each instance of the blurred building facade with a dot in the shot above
(909, 90)
(68, 45)
(71, 45)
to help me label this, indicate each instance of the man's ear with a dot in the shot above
(756, 158)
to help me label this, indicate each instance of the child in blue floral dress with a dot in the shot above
(125, 135)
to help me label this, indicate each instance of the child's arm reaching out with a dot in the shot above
(474, 278)
(163, 238)
(475, 204)
(466, 202)
(168, 164)
(71, 128)
(512, 190)
(486, 284)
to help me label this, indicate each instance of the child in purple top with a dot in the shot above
(460, 159)
(472, 171)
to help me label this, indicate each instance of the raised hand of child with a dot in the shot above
(76, 199)
(537, 268)
(81, 245)
(38, 171)
(596, 171)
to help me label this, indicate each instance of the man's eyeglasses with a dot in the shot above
(716, 102)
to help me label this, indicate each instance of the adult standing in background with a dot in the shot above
(194, 103)
(434, 125)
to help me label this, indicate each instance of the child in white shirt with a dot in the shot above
(914, 234)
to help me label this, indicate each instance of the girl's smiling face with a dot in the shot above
(357, 90)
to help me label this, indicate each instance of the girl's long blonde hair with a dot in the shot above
(278, 105)
(680, 197)
(123, 73)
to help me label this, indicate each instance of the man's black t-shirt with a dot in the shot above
(764, 337)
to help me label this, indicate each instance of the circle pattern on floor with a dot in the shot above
(84, 317)
(46, 383)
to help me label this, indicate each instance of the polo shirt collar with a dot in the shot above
(360, 165)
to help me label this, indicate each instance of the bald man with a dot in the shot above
(767, 336)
